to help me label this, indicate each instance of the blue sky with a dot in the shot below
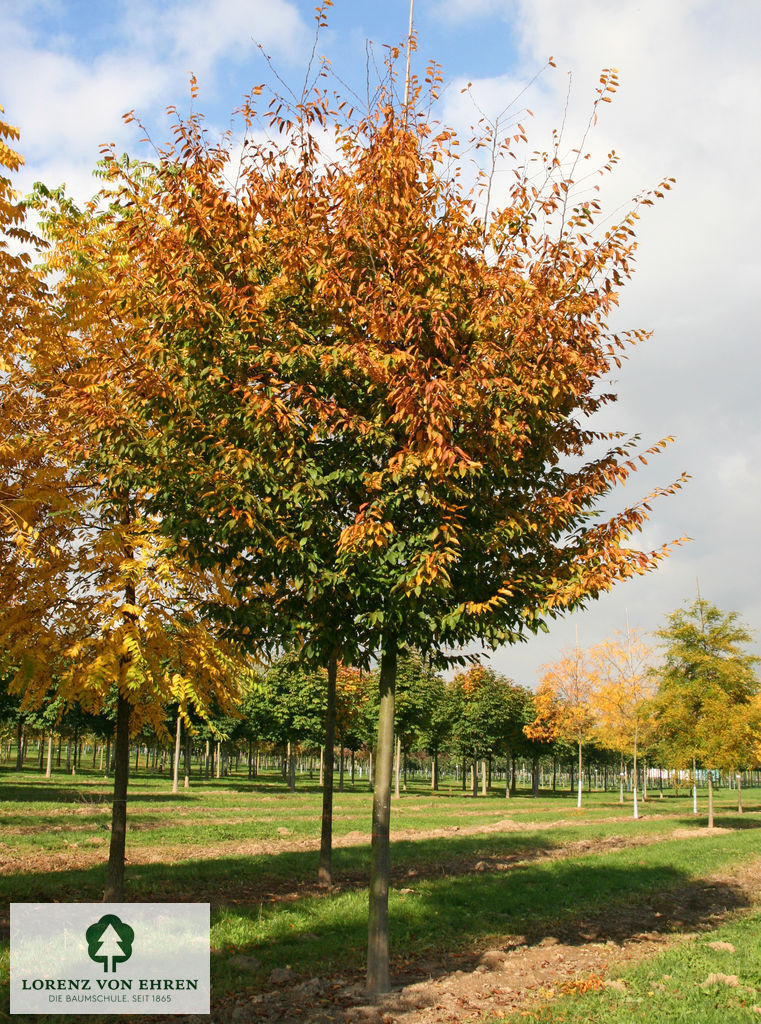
(687, 107)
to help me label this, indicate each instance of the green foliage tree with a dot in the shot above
(286, 704)
(706, 704)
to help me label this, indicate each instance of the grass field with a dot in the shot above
(468, 875)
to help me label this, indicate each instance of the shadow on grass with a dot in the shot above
(52, 793)
(437, 917)
(436, 928)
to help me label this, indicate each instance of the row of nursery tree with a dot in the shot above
(270, 393)
(693, 703)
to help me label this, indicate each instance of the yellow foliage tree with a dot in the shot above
(565, 703)
(622, 700)
(93, 601)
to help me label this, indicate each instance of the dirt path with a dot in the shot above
(88, 851)
(477, 986)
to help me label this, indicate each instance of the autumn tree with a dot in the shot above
(96, 603)
(623, 696)
(707, 699)
(565, 703)
(364, 389)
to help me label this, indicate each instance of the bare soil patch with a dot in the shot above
(520, 971)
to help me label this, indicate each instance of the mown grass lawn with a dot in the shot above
(712, 979)
(492, 867)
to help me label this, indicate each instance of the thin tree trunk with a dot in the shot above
(176, 765)
(325, 870)
(483, 776)
(290, 767)
(188, 758)
(694, 788)
(370, 777)
(398, 766)
(579, 785)
(474, 777)
(507, 775)
(380, 864)
(435, 771)
(710, 798)
(739, 792)
(20, 751)
(49, 767)
(114, 890)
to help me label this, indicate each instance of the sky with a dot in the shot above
(687, 107)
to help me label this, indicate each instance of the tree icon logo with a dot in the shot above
(109, 939)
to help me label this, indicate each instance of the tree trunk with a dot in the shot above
(474, 777)
(694, 788)
(507, 775)
(188, 758)
(435, 771)
(114, 890)
(380, 865)
(398, 766)
(513, 778)
(322, 767)
(49, 766)
(20, 742)
(370, 777)
(739, 792)
(325, 870)
(176, 765)
(483, 777)
(290, 765)
(710, 798)
(579, 785)
(535, 777)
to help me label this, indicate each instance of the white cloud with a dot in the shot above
(68, 106)
(690, 81)
(203, 33)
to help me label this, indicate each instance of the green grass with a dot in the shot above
(456, 913)
(674, 988)
(451, 908)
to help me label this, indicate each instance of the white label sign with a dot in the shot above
(110, 958)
